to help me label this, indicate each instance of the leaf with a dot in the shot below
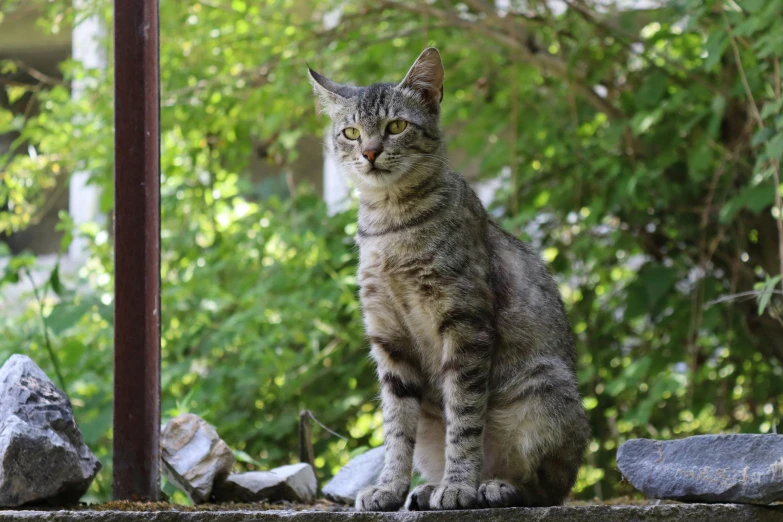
(242, 456)
(66, 226)
(54, 280)
(699, 162)
(753, 6)
(715, 46)
(652, 90)
(754, 198)
(775, 147)
(15, 93)
(72, 352)
(658, 281)
(65, 315)
(761, 136)
(766, 293)
(718, 109)
(771, 108)
(642, 122)
(8, 67)
(759, 198)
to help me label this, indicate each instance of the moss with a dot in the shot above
(124, 505)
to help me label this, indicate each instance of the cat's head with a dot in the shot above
(386, 133)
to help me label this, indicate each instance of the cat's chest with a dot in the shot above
(403, 287)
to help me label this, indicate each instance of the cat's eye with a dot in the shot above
(352, 133)
(396, 126)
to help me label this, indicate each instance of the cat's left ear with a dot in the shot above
(331, 94)
(426, 76)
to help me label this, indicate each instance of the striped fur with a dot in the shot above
(473, 347)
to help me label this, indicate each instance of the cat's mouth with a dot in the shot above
(377, 171)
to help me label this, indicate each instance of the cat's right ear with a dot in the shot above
(331, 95)
(426, 76)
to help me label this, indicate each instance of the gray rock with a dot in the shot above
(43, 458)
(709, 468)
(300, 482)
(251, 486)
(295, 483)
(360, 472)
(193, 457)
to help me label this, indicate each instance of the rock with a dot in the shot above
(295, 483)
(708, 468)
(360, 472)
(251, 486)
(43, 458)
(193, 456)
(300, 482)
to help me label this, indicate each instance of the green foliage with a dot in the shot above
(652, 202)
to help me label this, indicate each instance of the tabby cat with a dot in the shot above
(474, 351)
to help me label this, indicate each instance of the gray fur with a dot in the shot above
(474, 351)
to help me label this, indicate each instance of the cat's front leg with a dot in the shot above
(465, 373)
(401, 393)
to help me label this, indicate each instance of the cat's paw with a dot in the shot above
(419, 498)
(386, 497)
(499, 494)
(453, 496)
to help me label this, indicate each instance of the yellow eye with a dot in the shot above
(396, 126)
(352, 133)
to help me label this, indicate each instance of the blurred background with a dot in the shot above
(636, 144)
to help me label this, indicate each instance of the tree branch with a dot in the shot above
(628, 39)
(775, 163)
(546, 62)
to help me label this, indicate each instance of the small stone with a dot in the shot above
(43, 458)
(300, 482)
(295, 483)
(251, 486)
(360, 472)
(193, 456)
(740, 468)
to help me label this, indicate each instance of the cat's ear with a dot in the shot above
(331, 95)
(426, 76)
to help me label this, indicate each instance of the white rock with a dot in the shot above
(300, 481)
(295, 483)
(194, 457)
(360, 472)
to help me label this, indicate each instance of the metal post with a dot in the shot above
(136, 251)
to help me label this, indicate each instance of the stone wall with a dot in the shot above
(662, 513)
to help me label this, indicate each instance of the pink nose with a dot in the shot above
(371, 154)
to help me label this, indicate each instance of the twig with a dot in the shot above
(306, 452)
(776, 174)
(38, 75)
(47, 342)
(738, 59)
(750, 294)
(325, 428)
(515, 137)
(775, 163)
(226, 8)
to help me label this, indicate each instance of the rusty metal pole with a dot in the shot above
(136, 251)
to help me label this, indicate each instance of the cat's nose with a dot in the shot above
(371, 154)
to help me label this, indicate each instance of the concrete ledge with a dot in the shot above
(661, 513)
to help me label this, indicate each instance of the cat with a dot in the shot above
(474, 351)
